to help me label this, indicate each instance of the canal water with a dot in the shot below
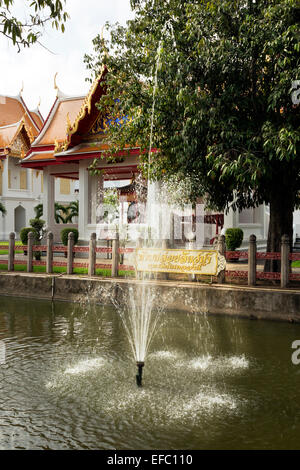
(67, 381)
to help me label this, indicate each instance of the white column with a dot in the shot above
(95, 196)
(7, 222)
(83, 199)
(48, 199)
(5, 177)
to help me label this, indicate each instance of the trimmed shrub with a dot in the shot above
(37, 224)
(233, 238)
(64, 235)
(24, 234)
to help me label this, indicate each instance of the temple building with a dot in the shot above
(21, 188)
(71, 139)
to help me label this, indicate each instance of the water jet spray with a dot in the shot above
(139, 376)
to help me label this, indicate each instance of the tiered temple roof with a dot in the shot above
(74, 131)
(16, 121)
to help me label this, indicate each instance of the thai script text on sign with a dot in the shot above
(178, 261)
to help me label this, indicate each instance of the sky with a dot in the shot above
(36, 66)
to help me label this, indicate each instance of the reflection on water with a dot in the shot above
(209, 382)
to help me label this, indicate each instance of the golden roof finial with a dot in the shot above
(22, 88)
(39, 103)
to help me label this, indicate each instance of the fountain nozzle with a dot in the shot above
(139, 375)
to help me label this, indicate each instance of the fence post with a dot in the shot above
(115, 256)
(30, 252)
(92, 255)
(49, 258)
(70, 253)
(285, 263)
(252, 261)
(221, 250)
(11, 252)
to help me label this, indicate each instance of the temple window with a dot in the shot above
(23, 179)
(65, 186)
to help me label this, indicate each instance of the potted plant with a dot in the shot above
(233, 239)
(24, 236)
(64, 236)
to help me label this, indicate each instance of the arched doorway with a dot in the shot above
(20, 218)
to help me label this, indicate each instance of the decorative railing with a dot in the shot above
(91, 262)
(252, 256)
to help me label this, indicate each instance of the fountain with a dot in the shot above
(65, 382)
(139, 376)
(140, 319)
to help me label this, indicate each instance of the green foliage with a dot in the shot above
(59, 212)
(38, 225)
(2, 209)
(24, 235)
(62, 214)
(64, 235)
(38, 13)
(111, 202)
(233, 238)
(218, 76)
(38, 211)
(72, 211)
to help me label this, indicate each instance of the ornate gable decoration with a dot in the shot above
(20, 144)
(85, 110)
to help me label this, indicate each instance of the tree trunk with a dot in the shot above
(281, 223)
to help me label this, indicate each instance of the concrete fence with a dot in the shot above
(284, 260)
(90, 253)
(251, 274)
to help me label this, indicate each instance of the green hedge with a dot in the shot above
(24, 234)
(64, 235)
(233, 238)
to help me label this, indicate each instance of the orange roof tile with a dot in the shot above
(7, 134)
(11, 110)
(55, 127)
(37, 119)
(40, 156)
(85, 148)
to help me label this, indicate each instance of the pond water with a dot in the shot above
(68, 381)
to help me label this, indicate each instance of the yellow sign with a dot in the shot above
(155, 260)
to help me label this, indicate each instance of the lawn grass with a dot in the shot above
(296, 264)
(5, 252)
(62, 269)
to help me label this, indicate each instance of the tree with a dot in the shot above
(38, 211)
(73, 211)
(27, 31)
(59, 212)
(209, 84)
